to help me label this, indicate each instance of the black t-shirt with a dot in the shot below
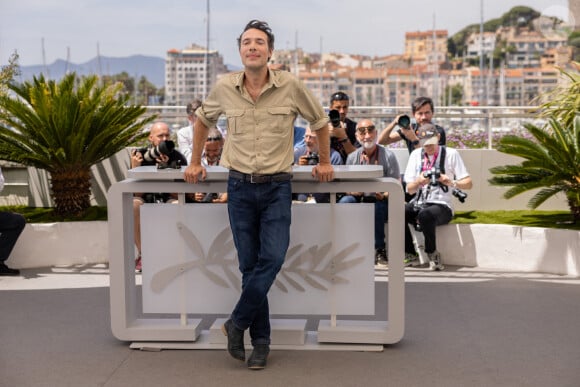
(351, 134)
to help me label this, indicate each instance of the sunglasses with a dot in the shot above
(215, 138)
(339, 96)
(366, 129)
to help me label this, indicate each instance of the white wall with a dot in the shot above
(483, 196)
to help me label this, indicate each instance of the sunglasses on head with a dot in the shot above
(339, 96)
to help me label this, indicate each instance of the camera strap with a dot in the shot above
(441, 158)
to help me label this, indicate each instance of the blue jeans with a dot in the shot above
(381, 216)
(260, 222)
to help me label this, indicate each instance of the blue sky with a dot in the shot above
(126, 27)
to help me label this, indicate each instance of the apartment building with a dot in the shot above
(368, 86)
(527, 47)
(476, 43)
(424, 47)
(321, 84)
(538, 81)
(191, 73)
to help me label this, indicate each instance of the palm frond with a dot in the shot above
(65, 127)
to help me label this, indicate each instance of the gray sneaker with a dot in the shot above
(381, 257)
(412, 260)
(435, 261)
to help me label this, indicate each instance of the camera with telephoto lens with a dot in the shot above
(334, 116)
(153, 153)
(433, 175)
(312, 158)
(459, 194)
(404, 121)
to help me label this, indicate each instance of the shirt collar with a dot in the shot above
(273, 79)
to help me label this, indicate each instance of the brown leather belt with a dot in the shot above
(259, 178)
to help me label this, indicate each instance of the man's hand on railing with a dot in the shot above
(193, 172)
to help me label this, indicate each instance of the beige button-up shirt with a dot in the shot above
(260, 134)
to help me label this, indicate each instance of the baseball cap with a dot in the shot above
(427, 135)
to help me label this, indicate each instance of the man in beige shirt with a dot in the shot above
(260, 105)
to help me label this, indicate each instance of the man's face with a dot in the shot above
(254, 49)
(159, 132)
(424, 114)
(311, 141)
(366, 134)
(213, 150)
(342, 107)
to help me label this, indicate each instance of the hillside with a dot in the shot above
(153, 68)
(522, 16)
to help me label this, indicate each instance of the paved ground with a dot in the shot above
(464, 327)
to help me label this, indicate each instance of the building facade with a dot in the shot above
(190, 74)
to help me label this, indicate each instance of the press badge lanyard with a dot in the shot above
(427, 164)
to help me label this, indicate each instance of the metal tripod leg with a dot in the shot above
(419, 243)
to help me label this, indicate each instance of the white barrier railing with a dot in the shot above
(345, 251)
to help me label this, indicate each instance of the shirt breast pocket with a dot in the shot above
(235, 120)
(280, 119)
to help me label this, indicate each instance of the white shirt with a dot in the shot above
(454, 168)
(185, 141)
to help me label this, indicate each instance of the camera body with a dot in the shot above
(368, 197)
(433, 175)
(459, 194)
(209, 197)
(152, 154)
(312, 158)
(334, 116)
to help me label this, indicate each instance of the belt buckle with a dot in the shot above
(252, 178)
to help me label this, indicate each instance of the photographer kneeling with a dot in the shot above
(436, 174)
(161, 152)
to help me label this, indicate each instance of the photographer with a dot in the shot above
(342, 129)
(423, 111)
(307, 154)
(371, 153)
(160, 152)
(212, 152)
(436, 174)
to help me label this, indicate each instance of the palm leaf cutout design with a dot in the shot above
(165, 276)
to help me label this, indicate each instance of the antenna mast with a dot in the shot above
(206, 84)
(44, 60)
(99, 66)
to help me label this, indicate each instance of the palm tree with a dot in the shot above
(563, 103)
(551, 163)
(552, 158)
(64, 128)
